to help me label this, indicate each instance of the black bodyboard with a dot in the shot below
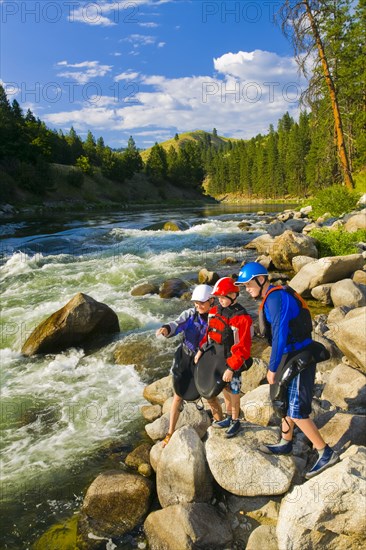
(209, 371)
(183, 375)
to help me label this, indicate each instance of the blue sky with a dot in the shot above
(149, 68)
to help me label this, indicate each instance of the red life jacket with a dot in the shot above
(219, 329)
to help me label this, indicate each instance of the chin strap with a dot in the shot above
(261, 285)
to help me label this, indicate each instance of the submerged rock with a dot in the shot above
(173, 288)
(81, 319)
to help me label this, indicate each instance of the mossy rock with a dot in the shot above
(61, 535)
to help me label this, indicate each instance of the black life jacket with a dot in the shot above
(300, 327)
(219, 330)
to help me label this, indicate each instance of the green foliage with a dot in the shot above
(335, 199)
(83, 163)
(338, 242)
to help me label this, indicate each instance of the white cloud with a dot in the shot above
(161, 44)
(139, 40)
(93, 69)
(148, 25)
(251, 91)
(126, 76)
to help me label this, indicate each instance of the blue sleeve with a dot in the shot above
(279, 309)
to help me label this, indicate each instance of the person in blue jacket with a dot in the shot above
(192, 323)
(285, 320)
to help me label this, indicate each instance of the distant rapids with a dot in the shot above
(61, 412)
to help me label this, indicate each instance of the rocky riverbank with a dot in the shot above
(204, 491)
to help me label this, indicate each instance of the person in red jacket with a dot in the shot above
(229, 330)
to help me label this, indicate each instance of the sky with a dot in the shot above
(149, 68)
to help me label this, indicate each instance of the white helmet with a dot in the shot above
(201, 293)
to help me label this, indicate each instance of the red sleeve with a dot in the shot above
(204, 340)
(240, 351)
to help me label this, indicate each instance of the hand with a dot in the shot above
(163, 331)
(228, 375)
(271, 377)
(197, 357)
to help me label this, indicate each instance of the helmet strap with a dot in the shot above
(261, 285)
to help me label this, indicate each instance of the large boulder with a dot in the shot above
(262, 244)
(322, 293)
(187, 527)
(257, 407)
(291, 244)
(299, 261)
(238, 466)
(182, 473)
(348, 293)
(296, 225)
(145, 288)
(207, 277)
(79, 321)
(255, 376)
(114, 504)
(346, 389)
(190, 416)
(327, 513)
(343, 430)
(350, 336)
(263, 536)
(326, 270)
(356, 222)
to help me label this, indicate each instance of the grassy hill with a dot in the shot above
(197, 136)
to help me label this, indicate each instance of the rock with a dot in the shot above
(359, 277)
(255, 376)
(263, 536)
(182, 473)
(151, 412)
(326, 513)
(114, 504)
(346, 389)
(257, 407)
(299, 261)
(207, 277)
(322, 293)
(62, 535)
(342, 430)
(265, 261)
(356, 222)
(177, 225)
(80, 320)
(190, 416)
(262, 244)
(276, 228)
(140, 455)
(244, 226)
(350, 334)
(348, 293)
(172, 288)
(145, 469)
(145, 288)
(337, 314)
(157, 392)
(326, 270)
(362, 200)
(261, 213)
(306, 210)
(309, 227)
(290, 244)
(155, 454)
(285, 215)
(185, 527)
(238, 466)
(229, 261)
(295, 225)
(263, 509)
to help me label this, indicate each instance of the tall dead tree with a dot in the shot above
(299, 23)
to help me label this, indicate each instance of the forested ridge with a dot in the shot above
(326, 145)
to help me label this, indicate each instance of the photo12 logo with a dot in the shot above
(91, 13)
(250, 92)
(245, 11)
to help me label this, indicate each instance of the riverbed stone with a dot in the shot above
(295, 224)
(75, 324)
(326, 270)
(262, 244)
(238, 466)
(182, 473)
(299, 261)
(291, 244)
(190, 416)
(173, 288)
(159, 391)
(151, 412)
(255, 376)
(359, 277)
(114, 504)
(356, 222)
(322, 293)
(263, 536)
(140, 455)
(348, 293)
(257, 407)
(332, 517)
(342, 429)
(145, 288)
(346, 389)
(207, 277)
(185, 527)
(350, 335)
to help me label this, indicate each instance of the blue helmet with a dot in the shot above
(250, 271)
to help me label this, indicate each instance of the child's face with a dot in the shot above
(203, 307)
(225, 301)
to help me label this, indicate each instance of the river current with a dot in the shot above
(62, 414)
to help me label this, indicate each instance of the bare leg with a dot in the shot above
(287, 428)
(174, 412)
(308, 427)
(235, 404)
(215, 408)
(227, 399)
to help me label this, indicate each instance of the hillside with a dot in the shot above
(198, 136)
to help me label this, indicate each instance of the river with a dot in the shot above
(68, 416)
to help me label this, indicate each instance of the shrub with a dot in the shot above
(335, 199)
(338, 242)
(75, 178)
